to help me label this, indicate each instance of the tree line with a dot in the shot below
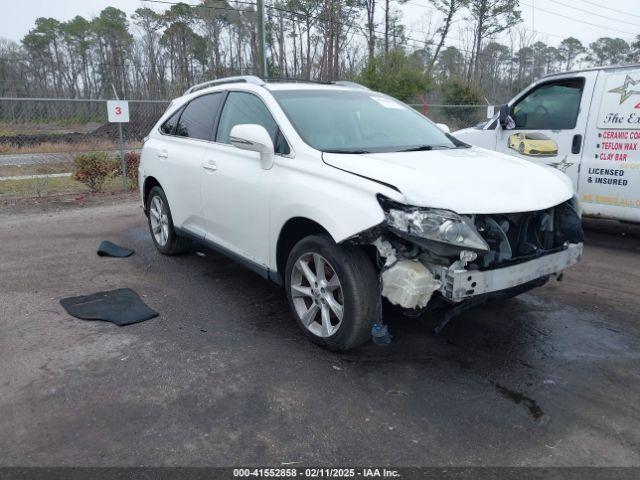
(157, 54)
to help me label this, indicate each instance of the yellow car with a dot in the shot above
(534, 144)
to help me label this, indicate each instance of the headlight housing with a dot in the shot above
(433, 224)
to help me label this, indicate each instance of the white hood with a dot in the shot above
(465, 180)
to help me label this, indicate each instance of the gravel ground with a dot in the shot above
(223, 376)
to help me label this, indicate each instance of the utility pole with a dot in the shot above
(262, 52)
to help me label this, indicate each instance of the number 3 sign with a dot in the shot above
(118, 111)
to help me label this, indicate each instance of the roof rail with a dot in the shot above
(345, 83)
(220, 81)
(295, 80)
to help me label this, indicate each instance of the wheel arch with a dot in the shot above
(294, 230)
(149, 183)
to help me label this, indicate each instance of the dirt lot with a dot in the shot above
(223, 377)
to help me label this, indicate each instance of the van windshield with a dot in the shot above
(340, 121)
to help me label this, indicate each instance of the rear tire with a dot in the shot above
(161, 226)
(333, 292)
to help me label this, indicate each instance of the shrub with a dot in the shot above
(396, 74)
(457, 92)
(92, 169)
(131, 161)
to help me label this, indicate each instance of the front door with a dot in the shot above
(550, 122)
(235, 189)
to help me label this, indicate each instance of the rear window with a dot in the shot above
(169, 126)
(199, 116)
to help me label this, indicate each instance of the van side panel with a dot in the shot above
(609, 183)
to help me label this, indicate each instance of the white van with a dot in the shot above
(584, 123)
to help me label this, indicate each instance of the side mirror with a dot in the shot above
(254, 138)
(506, 122)
(445, 128)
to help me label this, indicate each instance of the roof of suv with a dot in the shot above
(276, 84)
(307, 86)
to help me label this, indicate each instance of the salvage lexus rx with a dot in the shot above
(345, 196)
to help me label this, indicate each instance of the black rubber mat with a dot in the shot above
(110, 249)
(122, 307)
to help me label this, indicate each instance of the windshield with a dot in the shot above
(359, 122)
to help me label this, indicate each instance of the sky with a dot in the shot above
(552, 20)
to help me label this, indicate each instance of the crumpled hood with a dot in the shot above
(465, 180)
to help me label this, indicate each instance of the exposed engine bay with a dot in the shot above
(426, 253)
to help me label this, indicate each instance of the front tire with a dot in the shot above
(333, 292)
(161, 225)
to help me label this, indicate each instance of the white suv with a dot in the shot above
(344, 196)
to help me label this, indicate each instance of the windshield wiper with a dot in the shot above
(355, 152)
(425, 148)
(419, 148)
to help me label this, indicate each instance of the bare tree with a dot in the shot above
(490, 17)
(449, 9)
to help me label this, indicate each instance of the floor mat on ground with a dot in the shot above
(122, 307)
(110, 249)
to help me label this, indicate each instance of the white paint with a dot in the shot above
(118, 111)
(620, 103)
(465, 180)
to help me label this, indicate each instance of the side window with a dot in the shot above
(169, 126)
(551, 106)
(199, 116)
(243, 108)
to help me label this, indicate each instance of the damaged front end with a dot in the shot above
(427, 253)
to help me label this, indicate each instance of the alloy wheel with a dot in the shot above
(159, 218)
(317, 294)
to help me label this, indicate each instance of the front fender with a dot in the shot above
(342, 203)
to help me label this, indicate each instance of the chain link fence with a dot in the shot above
(454, 116)
(43, 140)
(53, 125)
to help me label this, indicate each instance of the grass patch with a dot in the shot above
(65, 147)
(44, 187)
(58, 128)
(43, 169)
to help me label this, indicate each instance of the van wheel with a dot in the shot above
(333, 292)
(521, 148)
(161, 225)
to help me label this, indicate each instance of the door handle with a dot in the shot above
(576, 145)
(163, 154)
(210, 165)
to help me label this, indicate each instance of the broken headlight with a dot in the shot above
(433, 224)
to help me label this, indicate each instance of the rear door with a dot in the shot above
(187, 135)
(610, 173)
(550, 122)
